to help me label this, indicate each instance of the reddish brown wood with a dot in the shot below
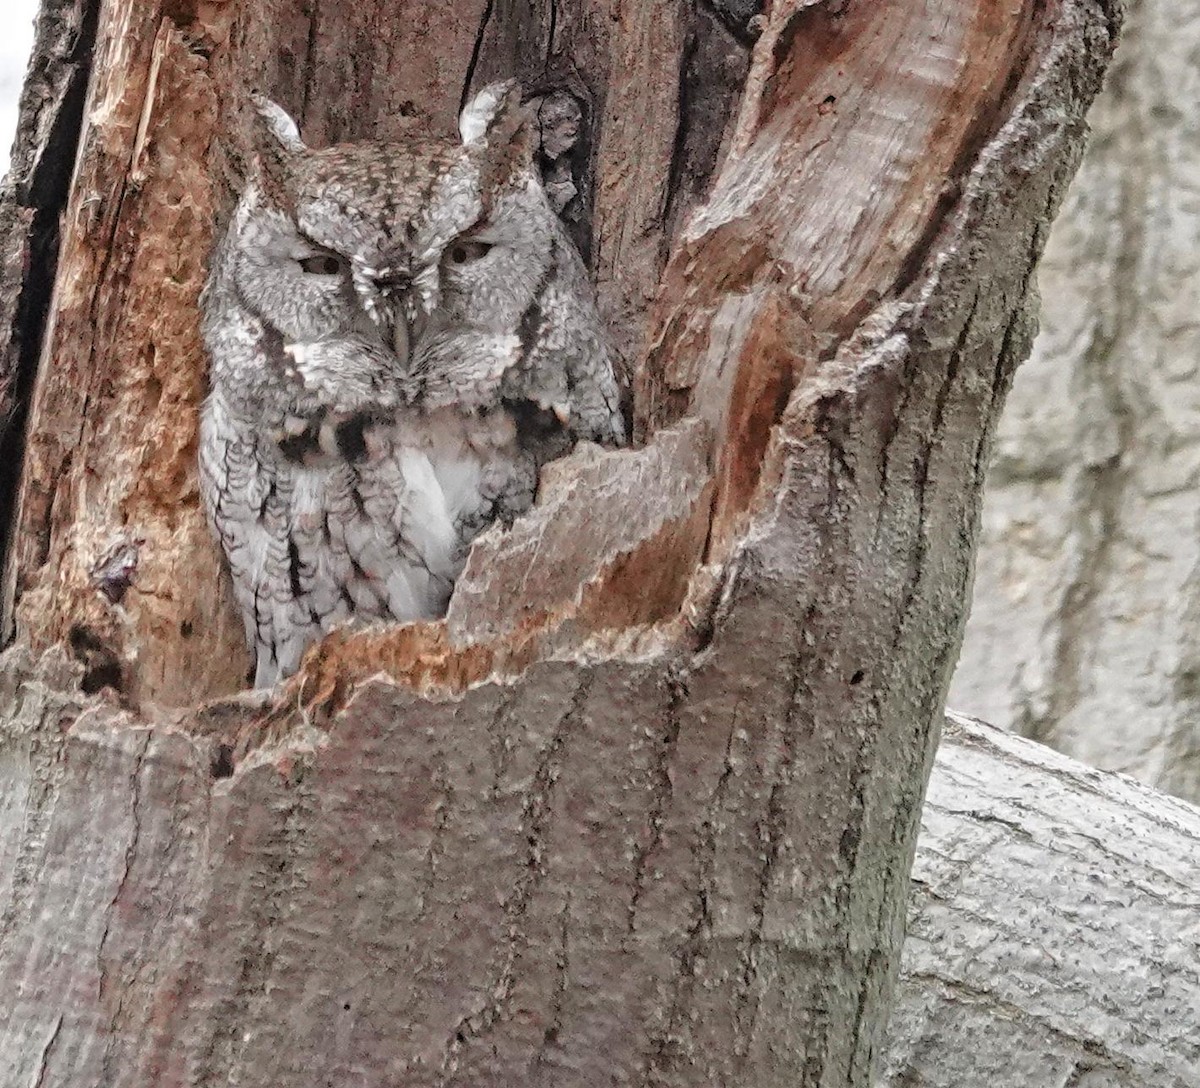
(111, 445)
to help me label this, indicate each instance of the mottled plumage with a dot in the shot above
(400, 336)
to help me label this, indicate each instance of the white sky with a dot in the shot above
(16, 39)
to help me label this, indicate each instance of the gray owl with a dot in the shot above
(400, 335)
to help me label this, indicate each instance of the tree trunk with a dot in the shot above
(1051, 924)
(642, 808)
(1052, 934)
(1085, 629)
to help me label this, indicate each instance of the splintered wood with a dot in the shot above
(110, 456)
(111, 449)
(757, 292)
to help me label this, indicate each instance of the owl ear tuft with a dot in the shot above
(495, 123)
(276, 122)
(494, 111)
(275, 139)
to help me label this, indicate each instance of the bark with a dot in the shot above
(1051, 920)
(1086, 620)
(612, 827)
(1051, 929)
(31, 204)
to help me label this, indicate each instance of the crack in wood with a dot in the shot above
(562, 963)
(225, 1038)
(44, 1059)
(130, 852)
(535, 817)
(476, 52)
(666, 1047)
(661, 793)
(771, 829)
(61, 59)
(929, 444)
(437, 848)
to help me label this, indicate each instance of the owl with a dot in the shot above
(400, 335)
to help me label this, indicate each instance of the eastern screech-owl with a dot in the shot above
(400, 335)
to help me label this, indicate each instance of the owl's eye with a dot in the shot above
(464, 251)
(325, 264)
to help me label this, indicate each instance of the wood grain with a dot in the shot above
(110, 459)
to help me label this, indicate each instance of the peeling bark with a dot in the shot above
(642, 809)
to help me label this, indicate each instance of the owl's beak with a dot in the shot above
(390, 301)
(401, 339)
(408, 322)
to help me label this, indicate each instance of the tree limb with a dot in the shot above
(1052, 934)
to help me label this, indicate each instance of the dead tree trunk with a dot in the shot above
(642, 809)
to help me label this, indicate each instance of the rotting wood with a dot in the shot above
(31, 204)
(129, 474)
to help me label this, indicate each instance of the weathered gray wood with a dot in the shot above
(1052, 936)
(211, 925)
(1085, 632)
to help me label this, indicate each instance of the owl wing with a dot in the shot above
(247, 512)
(573, 343)
(563, 388)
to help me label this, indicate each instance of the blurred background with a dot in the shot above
(1085, 628)
(16, 39)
